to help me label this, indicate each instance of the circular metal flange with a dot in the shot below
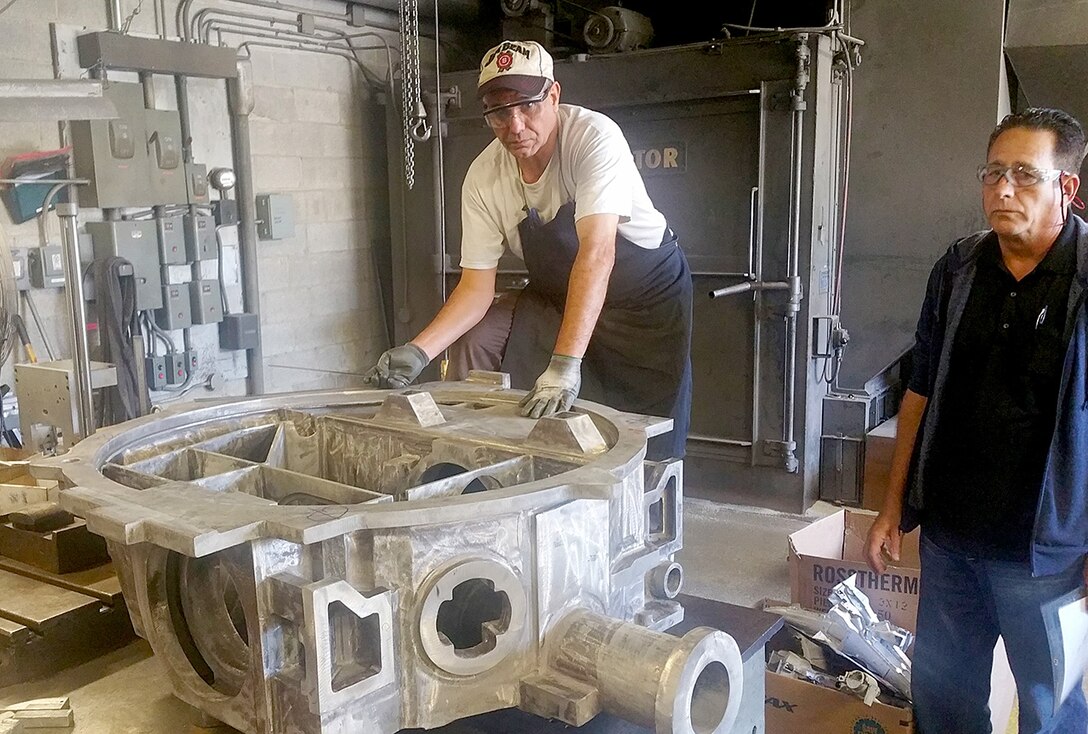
(498, 637)
(701, 692)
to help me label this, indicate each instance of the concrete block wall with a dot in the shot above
(318, 135)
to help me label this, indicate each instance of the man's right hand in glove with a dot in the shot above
(398, 367)
(555, 389)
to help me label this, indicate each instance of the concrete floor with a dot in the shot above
(731, 554)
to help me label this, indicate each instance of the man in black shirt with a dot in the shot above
(992, 413)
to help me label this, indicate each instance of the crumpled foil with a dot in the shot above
(851, 628)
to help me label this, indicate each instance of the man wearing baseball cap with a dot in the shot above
(607, 312)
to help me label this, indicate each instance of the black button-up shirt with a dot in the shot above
(998, 416)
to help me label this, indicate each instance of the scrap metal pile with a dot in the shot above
(367, 561)
(848, 634)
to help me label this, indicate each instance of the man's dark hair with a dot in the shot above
(1068, 133)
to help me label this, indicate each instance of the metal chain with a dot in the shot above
(409, 71)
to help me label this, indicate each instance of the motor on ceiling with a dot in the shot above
(610, 29)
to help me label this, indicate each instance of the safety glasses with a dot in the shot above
(1020, 175)
(502, 115)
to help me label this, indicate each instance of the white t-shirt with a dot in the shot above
(592, 166)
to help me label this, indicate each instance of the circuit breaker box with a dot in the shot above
(200, 238)
(176, 311)
(167, 174)
(206, 299)
(275, 217)
(196, 182)
(135, 241)
(46, 266)
(113, 154)
(171, 237)
(20, 268)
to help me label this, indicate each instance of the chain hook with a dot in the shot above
(421, 131)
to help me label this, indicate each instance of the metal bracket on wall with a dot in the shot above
(130, 53)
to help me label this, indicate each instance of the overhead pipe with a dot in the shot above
(114, 15)
(240, 102)
(374, 15)
(303, 43)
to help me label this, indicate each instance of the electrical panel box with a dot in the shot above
(192, 362)
(239, 331)
(135, 241)
(176, 312)
(200, 238)
(171, 236)
(46, 266)
(175, 368)
(20, 266)
(196, 182)
(225, 212)
(206, 299)
(155, 369)
(113, 154)
(167, 172)
(275, 217)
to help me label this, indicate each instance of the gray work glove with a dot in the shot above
(398, 367)
(555, 389)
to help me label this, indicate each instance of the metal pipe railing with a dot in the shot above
(77, 314)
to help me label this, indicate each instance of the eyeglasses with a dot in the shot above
(503, 115)
(991, 173)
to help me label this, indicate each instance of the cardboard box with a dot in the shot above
(832, 549)
(799, 707)
(879, 446)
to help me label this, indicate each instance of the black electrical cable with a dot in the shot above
(119, 322)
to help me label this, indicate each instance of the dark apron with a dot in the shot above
(638, 359)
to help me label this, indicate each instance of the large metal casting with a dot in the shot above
(367, 561)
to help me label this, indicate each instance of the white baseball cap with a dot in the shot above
(523, 66)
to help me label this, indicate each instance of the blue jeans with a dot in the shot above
(964, 604)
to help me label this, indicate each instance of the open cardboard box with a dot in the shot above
(799, 707)
(823, 554)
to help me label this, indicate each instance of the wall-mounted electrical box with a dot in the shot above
(171, 237)
(21, 268)
(206, 298)
(225, 212)
(155, 369)
(112, 154)
(135, 241)
(239, 331)
(46, 265)
(275, 217)
(176, 312)
(167, 173)
(200, 238)
(196, 182)
(176, 368)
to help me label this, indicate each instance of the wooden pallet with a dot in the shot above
(49, 621)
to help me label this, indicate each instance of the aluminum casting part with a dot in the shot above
(371, 560)
(666, 580)
(687, 685)
(499, 634)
